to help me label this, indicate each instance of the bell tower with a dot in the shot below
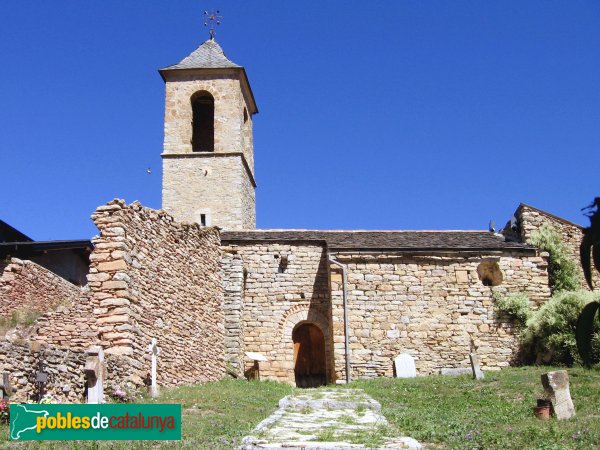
(208, 154)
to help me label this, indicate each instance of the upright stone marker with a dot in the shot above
(556, 385)
(6, 387)
(155, 351)
(405, 366)
(95, 373)
(477, 373)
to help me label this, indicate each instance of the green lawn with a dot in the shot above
(215, 416)
(458, 412)
(443, 412)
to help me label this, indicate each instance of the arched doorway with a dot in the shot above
(309, 356)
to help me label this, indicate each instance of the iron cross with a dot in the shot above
(212, 18)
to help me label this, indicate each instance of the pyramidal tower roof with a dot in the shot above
(208, 56)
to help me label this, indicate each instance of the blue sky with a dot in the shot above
(373, 115)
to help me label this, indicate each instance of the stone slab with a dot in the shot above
(405, 366)
(556, 385)
(475, 367)
(456, 371)
(255, 356)
(302, 418)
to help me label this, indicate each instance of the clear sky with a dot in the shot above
(373, 115)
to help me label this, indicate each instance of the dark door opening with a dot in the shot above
(309, 356)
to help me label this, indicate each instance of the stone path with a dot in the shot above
(326, 419)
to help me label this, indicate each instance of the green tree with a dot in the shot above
(562, 269)
(589, 251)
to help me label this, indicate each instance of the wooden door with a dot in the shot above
(309, 356)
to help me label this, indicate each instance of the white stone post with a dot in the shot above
(154, 351)
(95, 374)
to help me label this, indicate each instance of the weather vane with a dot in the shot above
(212, 18)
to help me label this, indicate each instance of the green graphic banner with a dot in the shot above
(95, 422)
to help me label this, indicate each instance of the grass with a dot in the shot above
(458, 412)
(25, 317)
(347, 419)
(439, 411)
(371, 439)
(326, 435)
(215, 416)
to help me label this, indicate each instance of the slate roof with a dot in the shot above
(208, 56)
(385, 240)
(11, 234)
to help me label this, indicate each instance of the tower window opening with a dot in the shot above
(203, 122)
(245, 115)
(203, 220)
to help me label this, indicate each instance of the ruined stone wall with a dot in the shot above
(28, 287)
(152, 277)
(531, 219)
(279, 295)
(71, 326)
(431, 307)
(66, 380)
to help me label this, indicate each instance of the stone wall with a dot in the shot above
(69, 326)
(66, 380)
(285, 285)
(27, 286)
(219, 184)
(233, 311)
(433, 307)
(530, 219)
(213, 184)
(152, 277)
(231, 133)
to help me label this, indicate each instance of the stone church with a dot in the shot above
(319, 306)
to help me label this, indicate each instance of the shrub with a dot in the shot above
(550, 330)
(516, 306)
(562, 270)
(121, 396)
(4, 411)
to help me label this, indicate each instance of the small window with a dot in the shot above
(203, 220)
(245, 115)
(203, 122)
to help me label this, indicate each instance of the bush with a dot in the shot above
(550, 330)
(121, 396)
(4, 411)
(562, 270)
(516, 306)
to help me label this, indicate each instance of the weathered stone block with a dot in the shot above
(556, 385)
(112, 266)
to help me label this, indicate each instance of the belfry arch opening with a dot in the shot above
(309, 356)
(203, 122)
